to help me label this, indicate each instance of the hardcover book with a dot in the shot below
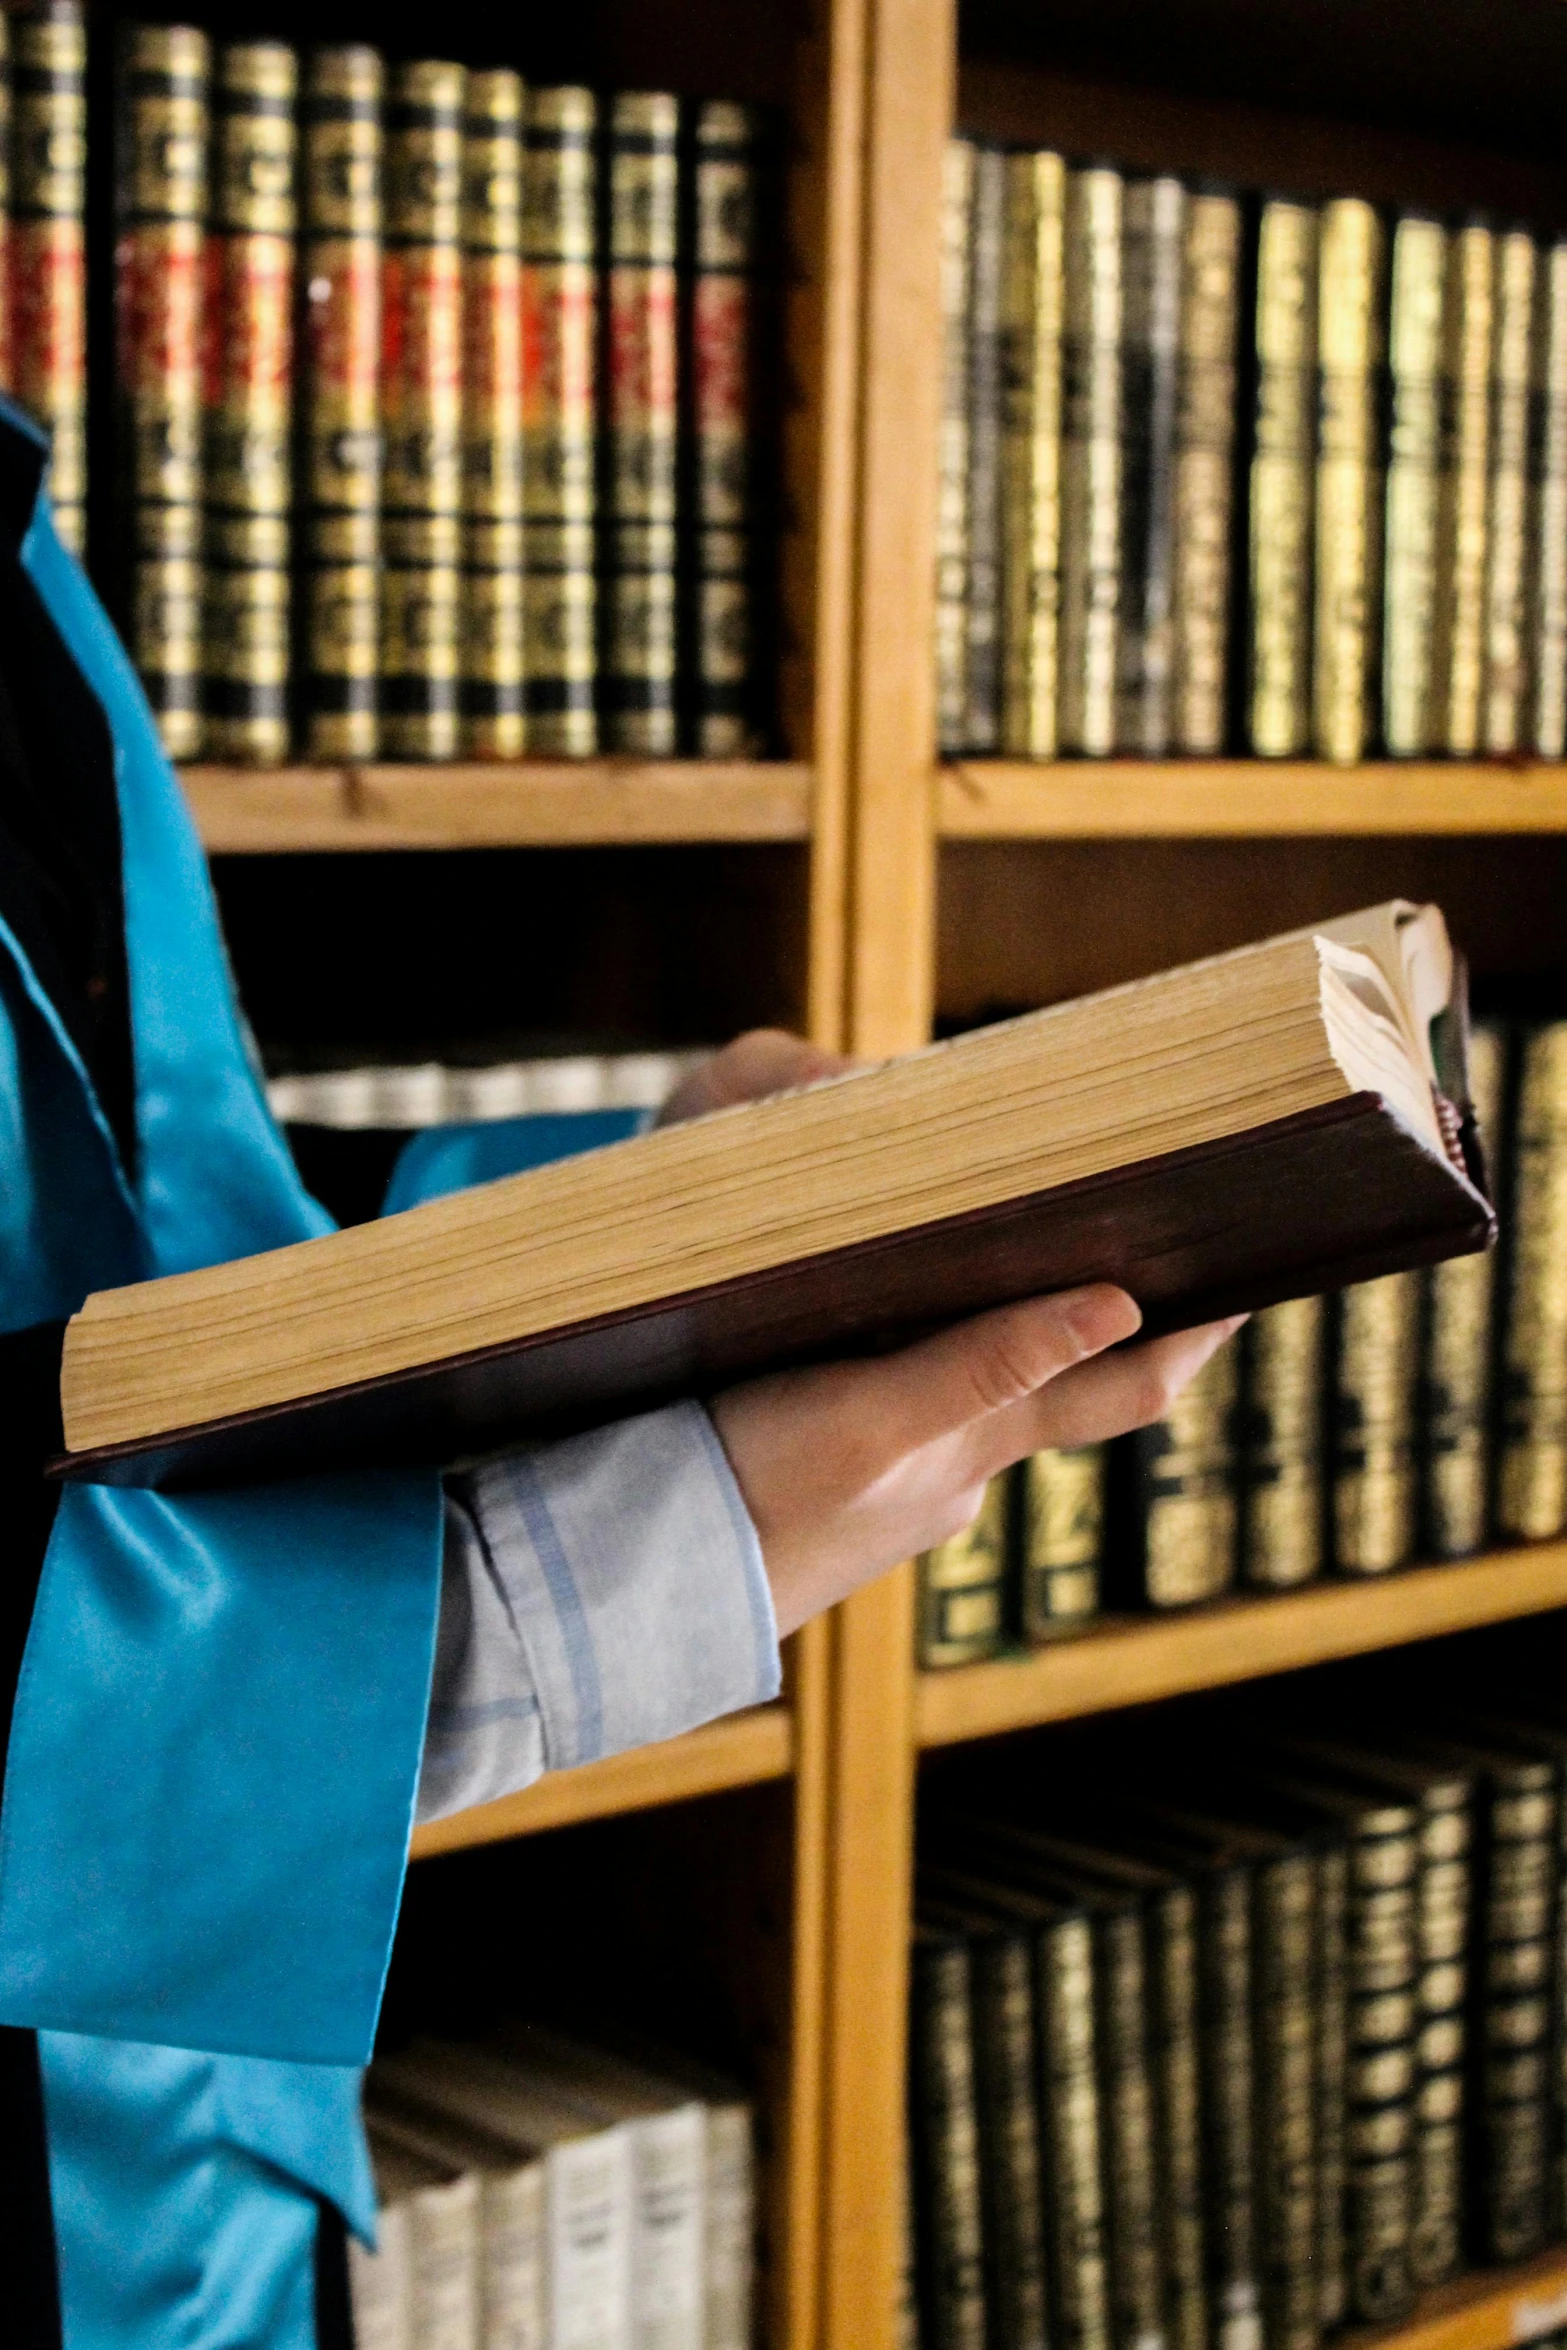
(1245, 1129)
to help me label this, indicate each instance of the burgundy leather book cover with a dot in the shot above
(1334, 1195)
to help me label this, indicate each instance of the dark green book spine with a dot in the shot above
(1284, 1933)
(643, 377)
(1510, 2103)
(1173, 2048)
(1376, 1381)
(947, 2216)
(1075, 2252)
(982, 619)
(1132, 2187)
(1380, 2077)
(1331, 2008)
(1153, 226)
(1442, 1929)
(1282, 1372)
(1171, 1534)
(1009, 2151)
(1229, 2134)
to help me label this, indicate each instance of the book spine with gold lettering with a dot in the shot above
(1002, 1965)
(1060, 1533)
(1455, 1409)
(6, 352)
(1374, 1474)
(1126, 2092)
(1350, 352)
(1153, 220)
(1380, 2075)
(1173, 1524)
(161, 203)
(49, 244)
(1459, 663)
(720, 661)
(1205, 472)
(1418, 273)
(640, 634)
(490, 682)
(944, 2130)
(1282, 504)
(982, 619)
(1548, 608)
(1532, 1471)
(1285, 1930)
(1072, 2137)
(1442, 1943)
(1510, 2188)
(962, 1587)
(1033, 290)
(1091, 447)
(559, 422)
(340, 420)
(248, 334)
(1282, 1373)
(421, 413)
(952, 466)
(1174, 2032)
(1330, 2031)
(1505, 692)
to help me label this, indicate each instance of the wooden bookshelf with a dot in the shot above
(740, 1751)
(1132, 1660)
(1493, 2310)
(1229, 799)
(536, 804)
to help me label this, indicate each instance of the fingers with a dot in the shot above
(993, 1363)
(1104, 1397)
(763, 1061)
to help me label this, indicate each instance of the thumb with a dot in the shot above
(997, 1359)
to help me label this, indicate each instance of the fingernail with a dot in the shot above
(1102, 1315)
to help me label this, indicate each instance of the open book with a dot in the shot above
(1245, 1129)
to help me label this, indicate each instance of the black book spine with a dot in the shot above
(1173, 2043)
(1229, 2134)
(1075, 2252)
(1009, 2151)
(1442, 1929)
(945, 2145)
(1380, 2080)
(983, 648)
(1153, 223)
(1126, 2090)
(1284, 1926)
(1509, 2104)
(1332, 2075)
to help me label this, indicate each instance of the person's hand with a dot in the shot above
(763, 1061)
(849, 1468)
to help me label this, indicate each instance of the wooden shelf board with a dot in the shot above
(243, 811)
(1225, 799)
(1132, 1660)
(1490, 2311)
(740, 1751)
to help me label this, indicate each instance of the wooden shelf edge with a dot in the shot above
(1489, 2311)
(1133, 1660)
(1145, 799)
(740, 1751)
(533, 804)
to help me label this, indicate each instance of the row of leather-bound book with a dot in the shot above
(432, 395)
(1422, 1416)
(1233, 473)
(1232, 2031)
(538, 2191)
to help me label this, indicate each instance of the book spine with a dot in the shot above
(1418, 272)
(668, 2166)
(1331, 2012)
(1380, 2065)
(588, 2220)
(1455, 1414)
(1060, 1540)
(443, 2265)
(1558, 2178)
(1281, 1375)
(511, 2259)
(1532, 1471)
(644, 188)
(1281, 510)
(1173, 2050)
(1442, 1940)
(248, 334)
(1205, 472)
(1548, 611)
(7, 191)
(1033, 296)
(1505, 693)
(962, 1588)
(982, 623)
(380, 2283)
(1153, 223)
(489, 690)
(952, 457)
(1228, 2093)
(1460, 620)
(1509, 2168)
(1180, 1546)
(341, 451)
(729, 2254)
(421, 403)
(559, 423)
(1376, 1375)
(1349, 479)
(1071, 2137)
(1091, 462)
(49, 245)
(1284, 1935)
(1132, 2188)
(1009, 2153)
(721, 723)
(161, 201)
(948, 2225)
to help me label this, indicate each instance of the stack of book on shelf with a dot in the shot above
(537, 2192)
(434, 395)
(1231, 2033)
(409, 1097)
(1417, 1417)
(1224, 472)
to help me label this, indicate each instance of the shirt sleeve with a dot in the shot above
(597, 1594)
